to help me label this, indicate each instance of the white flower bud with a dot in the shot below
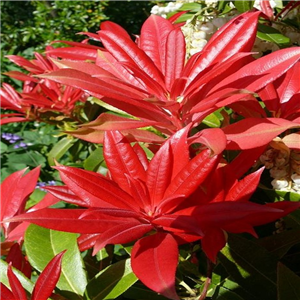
(199, 44)
(198, 35)
(296, 179)
(279, 184)
(154, 10)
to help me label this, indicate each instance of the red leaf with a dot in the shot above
(267, 9)
(15, 190)
(12, 120)
(113, 27)
(18, 261)
(121, 159)
(244, 188)
(237, 35)
(6, 293)
(65, 194)
(192, 175)
(97, 136)
(213, 138)
(159, 173)
(47, 280)
(116, 94)
(127, 51)
(255, 132)
(122, 234)
(257, 74)
(107, 121)
(106, 61)
(141, 155)
(180, 150)
(292, 140)
(212, 242)
(227, 215)
(24, 63)
(175, 57)
(153, 37)
(15, 285)
(69, 220)
(154, 261)
(95, 189)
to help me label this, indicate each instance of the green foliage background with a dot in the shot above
(28, 26)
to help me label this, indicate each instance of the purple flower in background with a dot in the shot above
(41, 184)
(20, 145)
(12, 139)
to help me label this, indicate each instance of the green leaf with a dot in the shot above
(250, 265)
(94, 160)
(30, 158)
(139, 292)
(112, 281)
(212, 120)
(288, 283)
(26, 283)
(243, 6)
(3, 148)
(60, 149)
(224, 288)
(289, 196)
(43, 244)
(293, 220)
(279, 244)
(271, 34)
(224, 291)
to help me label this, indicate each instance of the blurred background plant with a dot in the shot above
(28, 26)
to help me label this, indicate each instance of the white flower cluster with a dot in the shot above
(258, 2)
(197, 33)
(284, 166)
(164, 10)
(212, 3)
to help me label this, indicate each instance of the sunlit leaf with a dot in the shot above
(43, 244)
(250, 265)
(59, 149)
(272, 35)
(112, 282)
(26, 283)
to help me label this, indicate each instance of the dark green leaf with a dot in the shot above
(293, 220)
(112, 282)
(250, 265)
(224, 291)
(279, 244)
(139, 292)
(270, 34)
(288, 284)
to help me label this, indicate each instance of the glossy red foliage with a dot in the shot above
(150, 80)
(170, 200)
